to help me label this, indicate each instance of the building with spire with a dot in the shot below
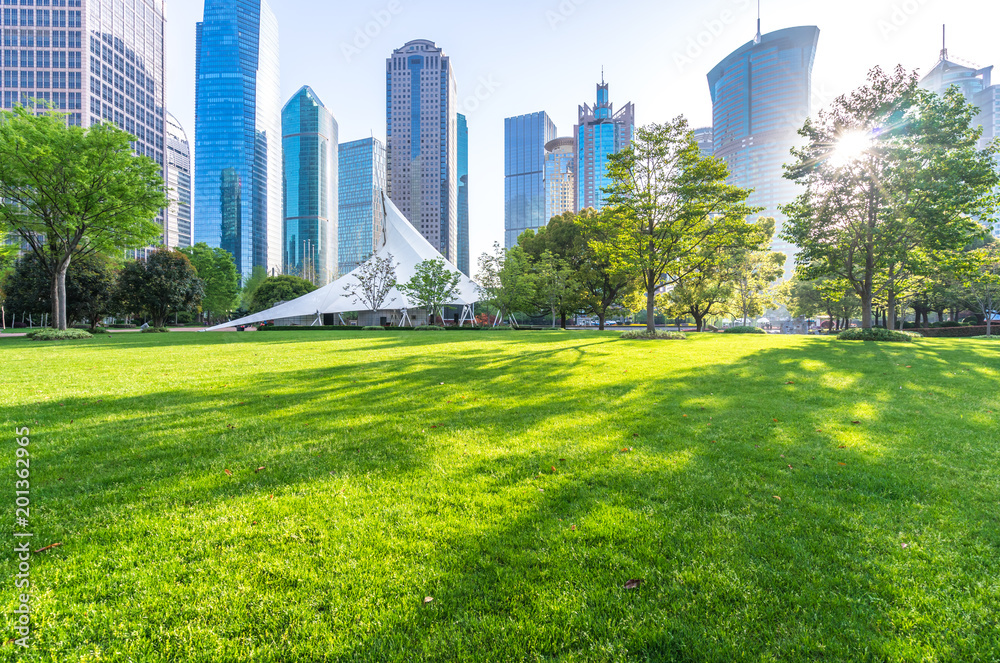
(600, 131)
(761, 97)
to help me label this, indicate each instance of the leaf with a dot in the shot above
(856, 423)
(634, 584)
(844, 464)
(790, 382)
(228, 473)
(48, 547)
(553, 469)
(261, 469)
(775, 420)
(428, 599)
(777, 498)
(572, 527)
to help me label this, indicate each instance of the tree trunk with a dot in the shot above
(59, 295)
(563, 322)
(601, 318)
(651, 311)
(891, 321)
(699, 322)
(866, 310)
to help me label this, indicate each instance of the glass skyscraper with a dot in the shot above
(761, 97)
(362, 217)
(309, 143)
(422, 142)
(463, 195)
(560, 177)
(237, 180)
(705, 139)
(525, 137)
(599, 132)
(178, 228)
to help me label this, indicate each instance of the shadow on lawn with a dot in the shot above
(731, 572)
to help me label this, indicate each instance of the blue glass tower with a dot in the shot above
(362, 183)
(463, 195)
(237, 138)
(525, 137)
(761, 97)
(599, 132)
(309, 140)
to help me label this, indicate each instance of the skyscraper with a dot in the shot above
(761, 97)
(599, 132)
(95, 61)
(178, 228)
(309, 142)
(237, 180)
(362, 217)
(525, 137)
(422, 141)
(706, 144)
(463, 195)
(560, 177)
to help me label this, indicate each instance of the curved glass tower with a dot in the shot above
(463, 195)
(560, 177)
(178, 229)
(761, 97)
(309, 138)
(237, 181)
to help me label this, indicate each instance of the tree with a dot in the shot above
(216, 267)
(257, 276)
(671, 212)
(90, 283)
(159, 286)
(432, 286)
(555, 285)
(753, 272)
(376, 277)
(980, 273)
(702, 293)
(505, 280)
(888, 169)
(277, 289)
(68, 192)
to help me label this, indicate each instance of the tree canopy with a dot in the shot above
(216, 267)
(159, 286)
(277, 289)
(432, 286)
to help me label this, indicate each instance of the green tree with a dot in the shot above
(159, 286)
(216, 267)
(276, 289)
(432, 286)
(980, 273)
(702, 293)
(555, 285)
(671, 212)
(68, 192)
(257, 276)
(90, 284)
(888, 169)
(505, 281)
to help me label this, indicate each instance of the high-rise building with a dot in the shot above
(309, 145)
(463, 195)
(96, 62)
(422, 141)
(178, 154)
(599, 132)
(704, 137)
(761, 97)
(560, 177)
(237, 135)
(362, 217)
(525, 137)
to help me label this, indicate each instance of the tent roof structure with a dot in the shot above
(408, 249)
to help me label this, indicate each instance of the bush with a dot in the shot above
(155, 330)
(99, 330)
(429, 328)
(635, 335)
(971, 320)
(38, 330)
(373, 329)
(745, 330)
(948, 323)
(877, 334)
(60, 335)
(994, 337)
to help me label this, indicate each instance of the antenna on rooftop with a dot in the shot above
(602, 74)
(944, 45)
(756, 39)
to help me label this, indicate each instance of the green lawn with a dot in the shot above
(519, 479)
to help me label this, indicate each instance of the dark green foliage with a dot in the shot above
(745, 330)
(60, 335)
(429, 328)
(277, 289)
(636, 335)
(155, 330)
(90, 282)
(215, 266)
(877, 334)
(375, 328)
(159, 286)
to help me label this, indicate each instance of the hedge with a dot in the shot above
(355, 328)
(744, 330)
(957, 332)
(877, 334)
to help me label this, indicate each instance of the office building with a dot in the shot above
(525, 137)
(178, 155)
(761, 96)
(600, 132)
(704, 138)
(309, 145)
(237, 180)
(463, 195)
(361, 213)
(560, 177)
(422, 142)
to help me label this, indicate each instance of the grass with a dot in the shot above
(520, 480)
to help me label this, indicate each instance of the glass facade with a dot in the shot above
(178, 228)
(525, 137)
(237, 181)
(600, 131)
(463, 195)
(309, 145)
(560, 177)
(422, 142)
(706, 143)
(362, 217)
(761, 97)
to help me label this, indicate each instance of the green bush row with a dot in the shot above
(636, 335)
(877, 334)
(155, 330)
(59, 335)
(745, 330)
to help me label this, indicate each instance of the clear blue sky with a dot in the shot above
(523, 56)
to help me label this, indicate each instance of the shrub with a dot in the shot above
(373, 328)
(38, 330)
(429, 328)
(877, 334)
(745, 330)
(155, 330)
(60, 335)
(948, 323)
(99, 330)
(635, 335)
(971, 320)
(994, 337)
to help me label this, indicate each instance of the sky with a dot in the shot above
(523, 56)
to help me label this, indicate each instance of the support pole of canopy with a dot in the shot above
(341, 319)
(318, 322)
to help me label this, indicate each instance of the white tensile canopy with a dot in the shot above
(408, 248)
